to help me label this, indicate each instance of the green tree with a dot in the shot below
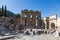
(17, 15)
(5, 12)
(1, 11)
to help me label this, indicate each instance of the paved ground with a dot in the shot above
(38, 37)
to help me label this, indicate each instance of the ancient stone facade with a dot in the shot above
(50, 22)
(30, 19)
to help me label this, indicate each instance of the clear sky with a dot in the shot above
(47, 7)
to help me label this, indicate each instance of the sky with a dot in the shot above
(47, 7)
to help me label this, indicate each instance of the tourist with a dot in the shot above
(34, 32)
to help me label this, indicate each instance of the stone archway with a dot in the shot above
(53, 25)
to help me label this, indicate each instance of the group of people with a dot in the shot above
(30, 32)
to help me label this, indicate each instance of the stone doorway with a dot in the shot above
(53, 25)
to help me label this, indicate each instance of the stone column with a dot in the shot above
(45, 25)
(49, 24)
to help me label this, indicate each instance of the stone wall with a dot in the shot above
(30, 18)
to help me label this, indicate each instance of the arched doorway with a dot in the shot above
(53, 25)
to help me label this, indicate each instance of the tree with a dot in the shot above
(1, 11)
(17, 15)
(5, 12)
